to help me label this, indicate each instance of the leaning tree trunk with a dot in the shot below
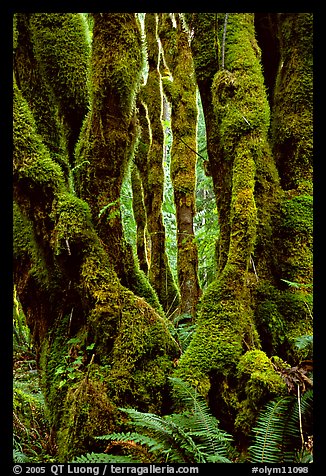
(181, 93)
(99, 346)
(229, 356)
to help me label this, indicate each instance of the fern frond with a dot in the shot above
(190, 437)
(200, 422)
(103, 458)
(137, 438)
(171, 439)
(276, 433)
(19, 457)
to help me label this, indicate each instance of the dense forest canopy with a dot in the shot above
(162, 169)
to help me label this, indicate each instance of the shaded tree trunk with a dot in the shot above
(152, 173)
(109, 137)
(140, 218)
(181, 93)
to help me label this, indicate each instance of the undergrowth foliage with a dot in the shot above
(278, 436)
(191, 436)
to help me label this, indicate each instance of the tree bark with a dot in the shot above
(152, 173)
(181, 93)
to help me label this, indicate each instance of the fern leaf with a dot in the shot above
(273, 430)
(103, 458)
(137, 438)
(202, 424)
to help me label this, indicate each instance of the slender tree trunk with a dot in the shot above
(140, 218)
(152, 174)
(292, 140)
(109, 137)
(181, 93)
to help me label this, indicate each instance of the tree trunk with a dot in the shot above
(140, 218)
(99, 346)
(152, 173)
(246, 315)
(181, 93)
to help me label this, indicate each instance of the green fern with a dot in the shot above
(19, 457)
(192, 436)
(277, 436)
(103, 458)
(200, 422)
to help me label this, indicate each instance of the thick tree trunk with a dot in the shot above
(98, 345)
(181, 93)
(225, 354)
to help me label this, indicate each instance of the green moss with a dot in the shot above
(119, 34)
(224, 328)
(205, 44)
(88, 413)
(297, 215)
(242, 114)
(292, 125)
(137, 281)
(72, 219)
(62, 50)
(39, 94)
(32, 160)
(281, 317)
(293, 238)
(26, 249)
(15, 31)
(258, 382)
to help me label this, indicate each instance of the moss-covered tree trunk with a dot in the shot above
(181, 93)
(99, 346)
(247, 315)
(152, 172)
